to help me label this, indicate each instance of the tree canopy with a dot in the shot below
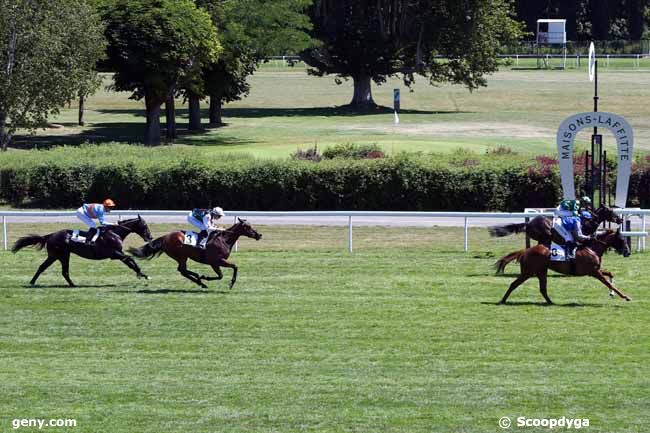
(250, 31)
(48, 52)
(444, 40)
(155, 45)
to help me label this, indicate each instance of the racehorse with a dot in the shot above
(536, 261)
(215, 254)
(108, 246)
(540, 227)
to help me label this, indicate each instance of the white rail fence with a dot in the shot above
(627, 214)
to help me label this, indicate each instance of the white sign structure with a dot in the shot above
(622, 131)
(591, 69)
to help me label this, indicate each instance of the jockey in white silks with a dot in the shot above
(205, 220)
(88, 212)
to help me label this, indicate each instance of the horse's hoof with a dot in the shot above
(203, 286)
(627, 298)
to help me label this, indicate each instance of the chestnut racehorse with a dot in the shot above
(536, 261)
(215, 254)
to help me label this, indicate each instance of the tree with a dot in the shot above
(251, 31)
(154, 45)
(48, 52)
(444, 40)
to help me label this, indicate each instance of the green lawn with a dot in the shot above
(401, 336)
(288, 109)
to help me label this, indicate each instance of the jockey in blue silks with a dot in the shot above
(571, 227)
(88, 212)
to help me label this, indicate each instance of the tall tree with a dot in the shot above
(444, 40)
(48, 52)
(154, 45)
(251, 31)
(599, 19)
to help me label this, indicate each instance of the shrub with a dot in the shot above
(354, 151)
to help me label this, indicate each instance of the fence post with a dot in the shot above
(527, 220)
(628, 228)
(236, 243)
(466, 240)
(643, 229)
(350, 233)
(4, 231)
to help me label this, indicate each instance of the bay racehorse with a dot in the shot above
(60, 245)
(540, 227)
(536, 261)
(215, 254)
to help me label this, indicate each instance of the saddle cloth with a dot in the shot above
(558, 253)
(78, 236)
(191, 238)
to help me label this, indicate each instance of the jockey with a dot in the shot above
(571, 231)
(586, 206)
(567, 208)
(205, 220)
(89, 211)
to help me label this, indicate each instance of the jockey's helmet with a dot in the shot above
(585, 200)
(109, 203)
(217, 211)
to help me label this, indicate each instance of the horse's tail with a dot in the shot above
(37, 241)
(501, 264)
(501, 231)
(149, 250)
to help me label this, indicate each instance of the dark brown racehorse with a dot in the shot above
(108, 246)
(539, 228)
(215, 254)
(536, 261)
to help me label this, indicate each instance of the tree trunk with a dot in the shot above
(195, 113)
(81, 110)
(4, 139)
(170, 119)
(599, 20)
(152, 129)
(362, 99)
(215, 111)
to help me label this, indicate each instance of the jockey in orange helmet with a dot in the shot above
(90, 211)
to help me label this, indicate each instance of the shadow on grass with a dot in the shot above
(65, 286)
(544, 304)
(172, 291)
(124, 132)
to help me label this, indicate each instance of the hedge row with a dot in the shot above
(387, 184)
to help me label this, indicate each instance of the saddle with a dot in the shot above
(198, 240)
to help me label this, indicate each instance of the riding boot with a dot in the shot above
(90, 235)
(203, 239)
(571, 250)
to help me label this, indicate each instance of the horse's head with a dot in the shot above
(245, 229)
(139, 227)
(616, 240)
(604, 213)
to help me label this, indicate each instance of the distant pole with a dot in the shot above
(396, 105)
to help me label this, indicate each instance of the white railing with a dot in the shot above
(529, 213)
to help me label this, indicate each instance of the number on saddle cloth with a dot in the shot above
(558, 253)
(191, 238)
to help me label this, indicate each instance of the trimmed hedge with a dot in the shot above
(397, 183)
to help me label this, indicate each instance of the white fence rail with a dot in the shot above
(466, 216)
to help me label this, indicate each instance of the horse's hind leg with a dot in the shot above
(65, 268)
(520, 279)
(192, 276)
(46, 264)
(541, 275)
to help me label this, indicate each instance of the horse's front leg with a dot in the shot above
(226, 264)
(600, 277)
(128, 261)
(217, 270)
(611, 279)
